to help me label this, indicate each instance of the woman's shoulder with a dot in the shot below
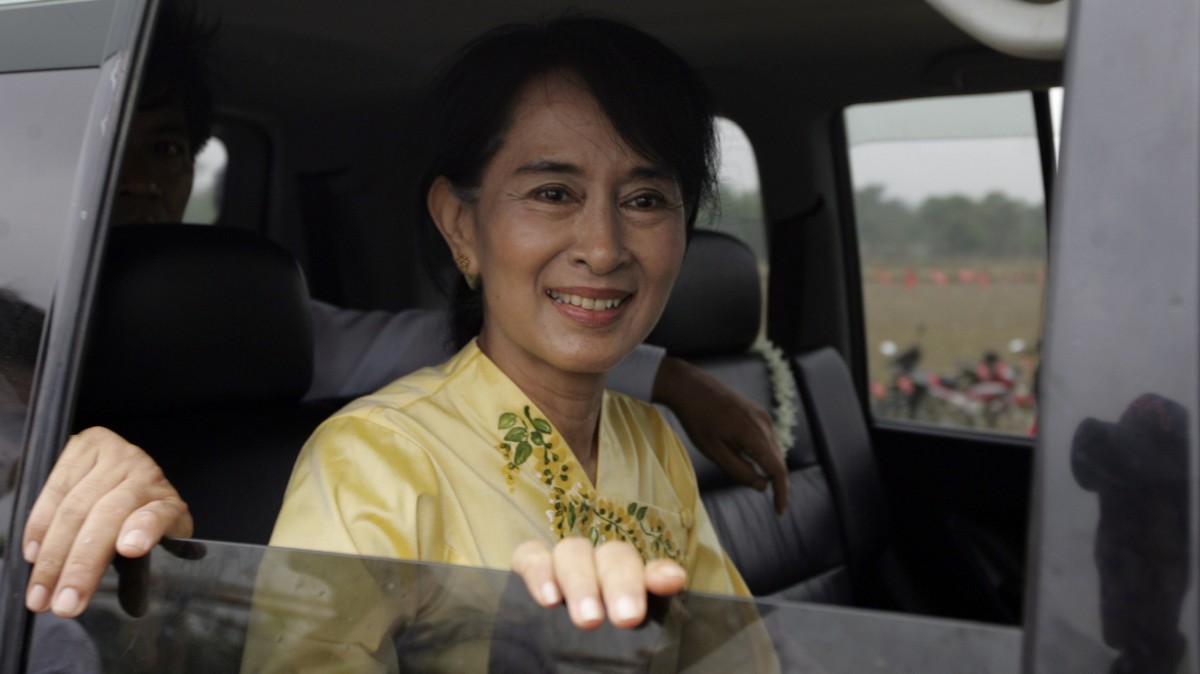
(631, 410)
(643, 421)
(416, 388)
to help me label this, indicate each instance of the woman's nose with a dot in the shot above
(599, 243)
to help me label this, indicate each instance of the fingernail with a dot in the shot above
(550, 594)
(31, 551)
(137, 540)
(67, 602)
(589, 610)
(624, 609)
(674, 571)
(37, 598)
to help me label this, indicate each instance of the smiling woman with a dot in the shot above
(569, 163)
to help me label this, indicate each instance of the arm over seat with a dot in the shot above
(712, 320)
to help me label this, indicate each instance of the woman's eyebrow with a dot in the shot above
(651, 172)
(548, 166)
(643, 172)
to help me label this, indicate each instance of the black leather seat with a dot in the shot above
(200, 353)
(844, 446)
(711, 320)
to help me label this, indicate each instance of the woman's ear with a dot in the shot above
(455, 220)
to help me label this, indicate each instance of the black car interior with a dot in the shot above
(200, 347)
(207, 372)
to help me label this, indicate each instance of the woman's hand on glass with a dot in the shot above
(103, 495)
(595, 581)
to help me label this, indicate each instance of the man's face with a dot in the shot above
(156, 176)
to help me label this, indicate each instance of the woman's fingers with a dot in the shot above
(575, 571)
(620, 572)
(533, 562)
(665, 577)
(607, 580)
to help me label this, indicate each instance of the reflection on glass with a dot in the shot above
(197, 613)
(20, 331)
(1138, 468)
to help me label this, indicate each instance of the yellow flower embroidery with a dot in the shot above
(574, 509)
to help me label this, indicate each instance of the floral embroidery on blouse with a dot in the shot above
(573, 508)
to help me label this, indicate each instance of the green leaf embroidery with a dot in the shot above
(524, 449)
(516, 435)
(507, 420)
(632, 509)
(571, 517)
(542, 425)
(641, 513)
(594, 534)
(535, 437)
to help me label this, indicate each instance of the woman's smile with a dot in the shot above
(594, 307)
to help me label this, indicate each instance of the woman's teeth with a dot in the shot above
(584, 302)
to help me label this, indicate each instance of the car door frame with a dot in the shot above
(62, 342)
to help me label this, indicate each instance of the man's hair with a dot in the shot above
(177, 68)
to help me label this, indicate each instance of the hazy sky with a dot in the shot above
(968, 145)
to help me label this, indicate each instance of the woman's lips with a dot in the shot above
(591, 306)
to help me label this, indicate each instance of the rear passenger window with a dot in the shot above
(950, 212)
(208, 183)
(739, 211)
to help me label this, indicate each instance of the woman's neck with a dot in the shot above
(570, 400)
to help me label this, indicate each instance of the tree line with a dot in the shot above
(955, 225)
(890, 229)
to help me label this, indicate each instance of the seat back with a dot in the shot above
(200, 351)
(844, 446)
(712, 320)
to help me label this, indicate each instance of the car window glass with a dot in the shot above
(207, 606)
(208, 183)
(950, 213)
(42, 118)
(739, 211)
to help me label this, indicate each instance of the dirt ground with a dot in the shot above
(956, 318)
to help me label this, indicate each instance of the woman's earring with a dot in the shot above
(463, 263)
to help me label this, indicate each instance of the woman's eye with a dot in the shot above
(552, 194)
(646, 201)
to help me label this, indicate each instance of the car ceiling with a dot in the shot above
(381, 50)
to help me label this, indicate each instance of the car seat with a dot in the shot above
(200, 352)
(712, 319)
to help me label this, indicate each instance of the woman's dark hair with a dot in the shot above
(650, 95)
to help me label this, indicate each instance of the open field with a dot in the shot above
(954, 322)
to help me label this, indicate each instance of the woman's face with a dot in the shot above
(576, 237)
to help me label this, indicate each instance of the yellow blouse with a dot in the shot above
(455, 464)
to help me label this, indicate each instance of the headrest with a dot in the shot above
(716, 305)
(192, 317)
